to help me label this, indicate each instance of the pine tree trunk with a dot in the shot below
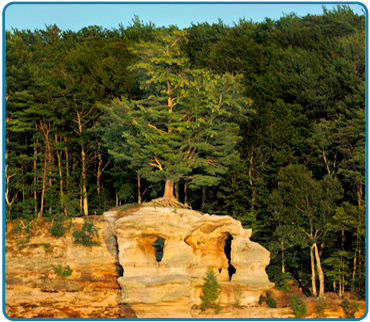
(43, 190)
(185, 193)
(62, 201)
(319, 272)
(83, 171)
(67, 161)
(282, 262)
(251, 182)
(139, 189)
(83, 176)
(81, 202)
(59, 156)
(45, 130)
(203, 198)
(168, 190)
(314, 291)
(35, 177)
(116, 197)
(354, 265)
(98, 174)
(177, 191)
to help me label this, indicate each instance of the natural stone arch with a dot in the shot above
(193, 241)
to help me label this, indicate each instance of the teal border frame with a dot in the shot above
(193, 3)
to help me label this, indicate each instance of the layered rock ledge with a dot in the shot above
(165, 253)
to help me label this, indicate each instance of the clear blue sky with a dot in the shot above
(76, 16)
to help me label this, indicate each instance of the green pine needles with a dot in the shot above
(298, 307)
(211, 291)
(87, 235)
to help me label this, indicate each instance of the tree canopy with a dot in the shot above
(261, 121)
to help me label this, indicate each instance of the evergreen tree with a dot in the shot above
(186, 126)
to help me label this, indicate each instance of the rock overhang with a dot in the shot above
(192, 242)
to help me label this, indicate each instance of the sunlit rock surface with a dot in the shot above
(172, 275)
(34, 290)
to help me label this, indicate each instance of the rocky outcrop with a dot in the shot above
(172, 274)
(34, 290)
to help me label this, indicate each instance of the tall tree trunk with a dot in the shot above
(354, 265)
(319, 272)
(43, 190)
(7, 190)
(46, 131)
(203, 198)
(314, 291)
(81, 201)
(98, 174)
(186, 193)
(7, 176)
(83, 170)
(168, 190)
(59, 157)
(67, 161)
(83, 177)
(282, 260)
(177, 191)
(251, 181)
(35, 176)
(139, 189)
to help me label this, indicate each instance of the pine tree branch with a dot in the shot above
(155, 128)
(157, 164)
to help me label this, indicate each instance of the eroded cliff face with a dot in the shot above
(34, 290)
(160, 281)
(153, 283)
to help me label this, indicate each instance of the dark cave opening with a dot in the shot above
(231, 269)
(158, 249)
(119, 268)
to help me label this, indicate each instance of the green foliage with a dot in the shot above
(87, 235)
(282, 283)
(211, 291)
(57, 228)
(298, 307)
(337, 266)
(237, 292)
(23, 242)
(280, 279)
(299, 80)
(349, 308)
(270, 301)
(22, 230)
(61, 271)
(185, 124)
(320, 308)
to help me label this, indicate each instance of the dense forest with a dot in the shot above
(264, 122)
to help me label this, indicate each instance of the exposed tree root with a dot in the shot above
(167, 202)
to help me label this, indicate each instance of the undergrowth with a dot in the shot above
(61, 271)
(87, 235)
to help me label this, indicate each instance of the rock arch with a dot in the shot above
(193, 242)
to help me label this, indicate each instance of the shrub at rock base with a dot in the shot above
(211, 291)
(298, 306)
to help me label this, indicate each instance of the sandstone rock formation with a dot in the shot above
(192, 242)
(34, 290)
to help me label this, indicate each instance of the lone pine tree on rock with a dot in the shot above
(186, 124)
